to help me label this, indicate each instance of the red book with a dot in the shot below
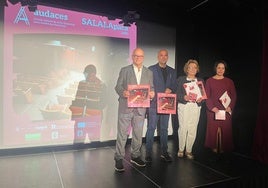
(195, 90)
(166, 103)
(139, 96)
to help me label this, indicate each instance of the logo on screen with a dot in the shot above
(21, 16)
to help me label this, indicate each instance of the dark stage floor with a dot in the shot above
(94, 167)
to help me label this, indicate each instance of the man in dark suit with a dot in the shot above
(164, 82)
(134, 74)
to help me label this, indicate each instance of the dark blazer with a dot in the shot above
(127, 77)
(159, 84)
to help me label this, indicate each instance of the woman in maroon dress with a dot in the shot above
(219, 136)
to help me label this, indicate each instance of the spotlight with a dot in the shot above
(32, 5)
(32, 8)
(24, 2)
(111, 17)
(130, 18)
(13, 2)
(3, 3)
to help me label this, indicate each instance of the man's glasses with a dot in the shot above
(138, 56)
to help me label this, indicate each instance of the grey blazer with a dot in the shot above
(127, 77)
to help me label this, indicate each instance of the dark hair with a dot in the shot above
(89, 69)
(221, 62)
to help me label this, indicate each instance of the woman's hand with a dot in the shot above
(199, 100)
(228, 109)
(215, 109)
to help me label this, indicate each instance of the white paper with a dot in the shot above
(220, 115)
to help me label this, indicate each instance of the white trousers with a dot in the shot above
(188, 116)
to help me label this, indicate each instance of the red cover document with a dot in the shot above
(139, 96)
(195, 90)
(166, 103)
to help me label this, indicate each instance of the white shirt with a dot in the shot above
(191, 79)
(138, 73)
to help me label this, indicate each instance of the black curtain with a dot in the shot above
(260, 143)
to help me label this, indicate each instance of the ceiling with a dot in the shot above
(162, 11)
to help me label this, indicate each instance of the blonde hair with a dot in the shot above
(188, 63)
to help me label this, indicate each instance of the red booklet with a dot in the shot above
(139, 96)
(166, 103)
(195, 90)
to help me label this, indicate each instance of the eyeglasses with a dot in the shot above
(138, 56)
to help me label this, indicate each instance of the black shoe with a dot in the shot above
(119, 165)
(138, 161)
(166, 157)
(148, 159)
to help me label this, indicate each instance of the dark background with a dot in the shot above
(206, 31)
